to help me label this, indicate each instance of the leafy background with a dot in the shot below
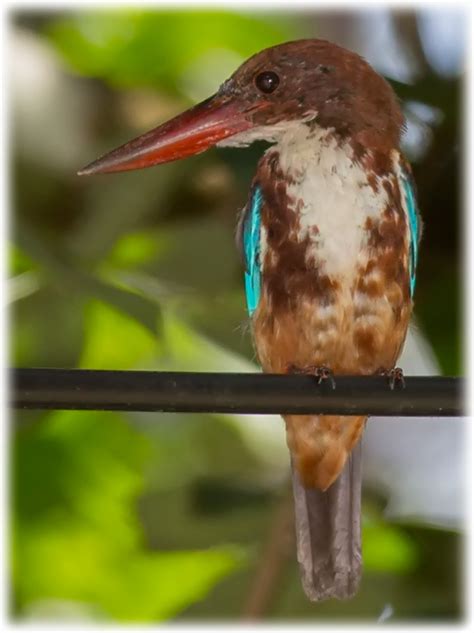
(147, 518)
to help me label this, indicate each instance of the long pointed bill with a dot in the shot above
(189, 133)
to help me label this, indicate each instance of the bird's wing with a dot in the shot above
(248, 243)
(414, 220)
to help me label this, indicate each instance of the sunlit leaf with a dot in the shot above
(387, 548)
(19, 262)
(114, 340)
(77, 536)
(156, 48)
(162, 584)
(22, 285)
(134, 249)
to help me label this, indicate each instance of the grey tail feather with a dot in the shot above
(328, 536)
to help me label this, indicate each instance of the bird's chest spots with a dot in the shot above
(314, 221)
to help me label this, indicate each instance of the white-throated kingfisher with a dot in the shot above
(329, 237)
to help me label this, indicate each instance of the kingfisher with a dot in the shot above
(329, 238)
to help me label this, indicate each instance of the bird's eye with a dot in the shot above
(267, 81)
(324, 69)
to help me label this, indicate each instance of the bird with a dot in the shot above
(329, 239)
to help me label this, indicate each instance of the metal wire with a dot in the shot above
(233, 393)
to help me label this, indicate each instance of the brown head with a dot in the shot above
(308, 80)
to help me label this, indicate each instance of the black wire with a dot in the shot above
(233, 393)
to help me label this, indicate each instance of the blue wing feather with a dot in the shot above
(414, 225)
(251, 248)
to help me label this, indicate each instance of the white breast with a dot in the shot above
(336, 197)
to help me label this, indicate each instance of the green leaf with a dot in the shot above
(137, 248)
(387, 548)
(114, 340)
(20, 262)
(157, 48)
(76, 535)
(161, 585)
(47, 329)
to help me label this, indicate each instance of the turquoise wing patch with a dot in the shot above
(251, 248)
(414, 225)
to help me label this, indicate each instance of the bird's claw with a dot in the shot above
(395, 377)
(321, 373)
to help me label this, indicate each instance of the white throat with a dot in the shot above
(332, 196)
(331, 192)
(277, 133)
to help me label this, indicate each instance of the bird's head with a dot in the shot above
(308, 82)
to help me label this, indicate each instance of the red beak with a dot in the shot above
(189, 133)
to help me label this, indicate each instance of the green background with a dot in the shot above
(141, 517)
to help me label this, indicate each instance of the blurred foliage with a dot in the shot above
(139, 47)
(116, 517)
(76, 480)
(387, 548)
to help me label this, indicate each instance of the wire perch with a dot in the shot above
(232, 393)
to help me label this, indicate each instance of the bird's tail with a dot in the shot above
(328, 535)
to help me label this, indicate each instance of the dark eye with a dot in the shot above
(324, 69)
(267, 81)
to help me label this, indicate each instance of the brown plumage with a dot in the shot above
(364, 332)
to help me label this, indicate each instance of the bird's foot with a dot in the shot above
(395, 377)
(321, 372)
